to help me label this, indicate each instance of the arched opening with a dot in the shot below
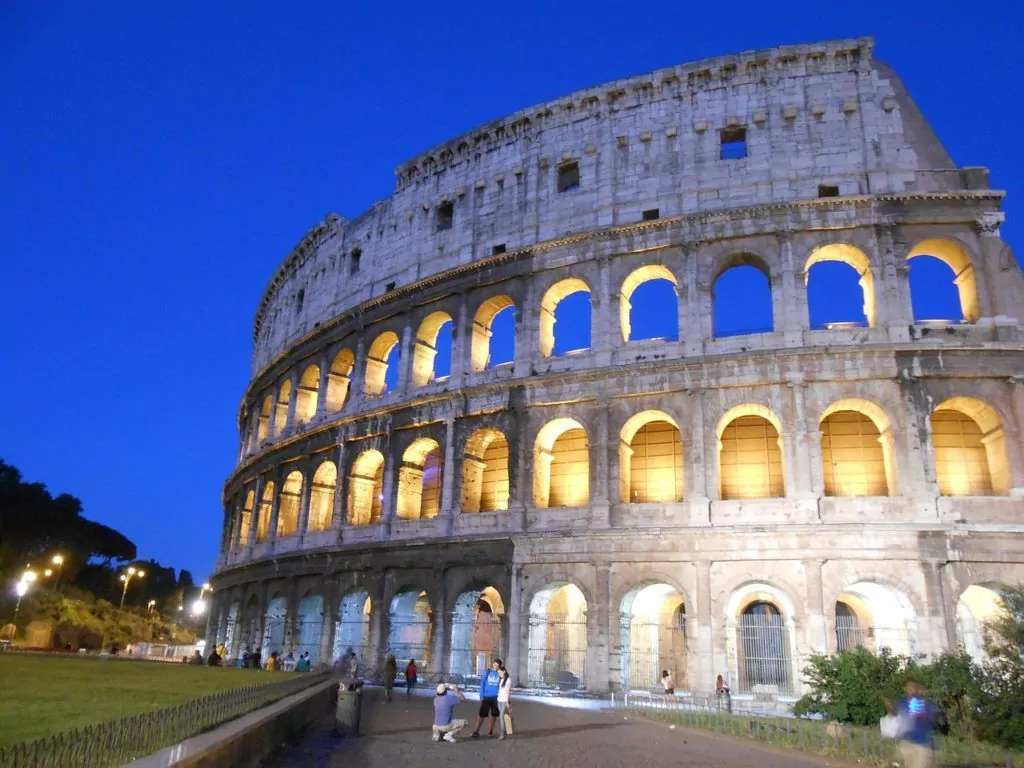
(284, 398)
(557, 644)
(494, 333)
(366, 488)
(652, 621)
(573, 314)
(410, 628)
(263, 424)
(750, 454)
(943, 286)
(339, 379)
(648, 305)
(306, 397)
(433, 336)
(874, 616)
(310, 618)
(245, 519)
(970, 449)
(476, 633)
(352, 630)
(419, 480)
(561, 465)
(485, 486)
(265, 511)
(977, 608)
(382, 365)
(765, 660)
(840, 287)
(650, 459)
(288, 505)
(741, 298)
(251, 622)
(321, 497)
(273, 627)
(856, 450)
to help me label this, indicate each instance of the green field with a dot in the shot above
(44, 695)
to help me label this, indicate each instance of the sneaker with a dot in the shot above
(436, 737)
(475, 735)
(450, 738)
(501, 738)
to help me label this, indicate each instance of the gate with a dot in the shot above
(650, 647)
(764, 657)
(557, 652)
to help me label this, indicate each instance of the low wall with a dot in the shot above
(251, 738)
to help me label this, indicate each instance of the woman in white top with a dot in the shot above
(504, 707)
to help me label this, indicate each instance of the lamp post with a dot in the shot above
(58, 560)
(126, 577)
(19, 589)
(150, 605)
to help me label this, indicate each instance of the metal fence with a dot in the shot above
(850, 634)
(765, 664)
(650, 647)
(475, 641)
(557, 652)
(117, 742)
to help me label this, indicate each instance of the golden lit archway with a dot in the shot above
(263, 426)
(483, 323)
(853, 257)
(634, 280)
(750, 462)
(339, 379)
(284, 398)
(424, 352)
(366, 488)
(419, 480)
(485, 485)
(650, 459)
(549, 303)
(288, 505)
(874, 616)
(265, 511)
(557, 640)
(970, 449)
(377, 363)
(652, 636)
(561, 465)
(857, 449)
(978, 607)
(307, 395)
(475, 633)
(955, 256)
(321, 497)
(245, 518)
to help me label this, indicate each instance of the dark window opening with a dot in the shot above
(568, 176)
(353, 265)
(389, 287)
(828, 190)
(734, 143)
(498, 249)
(445, 216)
(299, 301)
(652, 214)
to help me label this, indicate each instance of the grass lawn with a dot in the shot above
(44, 695)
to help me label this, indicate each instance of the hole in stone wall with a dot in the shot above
(568, 176)
(934, 295)
(742, 302)
(734, 143)
(828, 190)
(834, 295)
(654, 311)
(445, 215)
(498, 249)
(354, 259)
(651, 214)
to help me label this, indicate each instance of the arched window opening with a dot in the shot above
(567, 306)
(648, 305)
(494, 333)
(321, 497)
(263, 426)
(410, 628)
(288, 505)
(943, 286)
(970, 449)
(310, 623)
(245, 519)
(419, 481)
(307, 395)
(352, 632)
(339, 379)
(273, 627)
(382, 365)
(652, 620)
(366, 488)
(485, 486)
(750, 456)
(284, 398)
(432, 353)
(840, 288)
(557, 643)
(741, 299)
(561, 465)
(874, 616)
(855, 456)
(266, 509)
(476, 633)
(765, 659)
(978, 607)
(650, 460)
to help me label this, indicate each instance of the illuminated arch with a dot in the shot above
(762, 617)
(245, 518)
(288, 505)
(650, 459)
(955, 256)
(483, 323)
(652, 636)
(739, 261)
(265, 511)
(307, 395)
(284, 398)
(979, 606)
(485, 484)
(750, 458)
(475, 632)
(970, 449)
(424, 352)
(263, 425)
(321, 496)
(377, 362)
(857, 449)
(853, 257)
(635, 279)
(309, 619)
(366, 488)
(561, 465)
(410, 626)
(557, 641)
(419, 480)
(352, 629)
(339, 379)
(552, 298)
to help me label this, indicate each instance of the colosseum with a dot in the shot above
(428, 470)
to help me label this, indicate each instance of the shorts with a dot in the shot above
(489, 707)
(670, 691)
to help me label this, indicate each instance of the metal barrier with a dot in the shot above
(116, 742)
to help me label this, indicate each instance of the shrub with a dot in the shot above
(852, 686)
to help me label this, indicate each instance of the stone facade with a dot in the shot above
(710, 505)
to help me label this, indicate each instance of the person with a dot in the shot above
(410, 677)
(720, 687)
(273, 663)
(256, 656)
(351, 664)
(390, 673)
(197, 658)
(303, 665)
(448, 696)
(504, 703)
(214, 659)
(288, 664)
(668, 683)
(916, 747)
(489, 685)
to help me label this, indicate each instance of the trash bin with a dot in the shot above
(350, 706)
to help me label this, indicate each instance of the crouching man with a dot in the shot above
(444, 705)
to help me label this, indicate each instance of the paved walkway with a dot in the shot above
(398, 734)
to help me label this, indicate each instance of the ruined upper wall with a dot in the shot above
(824, 114)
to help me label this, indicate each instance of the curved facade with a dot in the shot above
(709, 502)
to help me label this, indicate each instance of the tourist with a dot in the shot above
(504, 703)
(489, 685)
(288, 665)
(410, 677)
(722, 691)
(916, 747)
(214, 659)
(668, 683)
(350, 663)
(256, 658)
(303, 664)
(448, 696)
(274, 662)
(390, 673)
(197, 658)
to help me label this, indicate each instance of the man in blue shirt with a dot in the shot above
(919, 715)
(489, 684)
(444, 706)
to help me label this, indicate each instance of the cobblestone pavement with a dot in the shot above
(398, 734)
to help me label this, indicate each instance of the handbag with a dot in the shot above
(894, 726)
(508, 723)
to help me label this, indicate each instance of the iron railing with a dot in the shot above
(116, 742)
(557, 652)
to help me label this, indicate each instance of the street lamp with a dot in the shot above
(29, 576)
(127, 579)
(150, 605)
(19, 589)
(58, 560)
(198, 607)
(48, 572)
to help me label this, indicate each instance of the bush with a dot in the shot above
(852, 686)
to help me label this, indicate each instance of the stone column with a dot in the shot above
(520, 489)
(993, 297)
(515, 639)
(527, 347)
(293, 399)
(817, 640)
(462, 345)
(405, 356)
(1015, 438)
(275, 504)
(599, 494)
(695, 320)
(389, 490)
(804, 452)
(695, 479)
(379, 623)
(598, 632)
(339, 511)
(893, 307)
(705, 661)
(321, 393)
(917, 464)
(603, 327)
(441, 629)
(940, 621)
(291, 616)
(448, 501)
(307, 490)
(330, 617)
(357, 382)
(254, 516)
(790, 312)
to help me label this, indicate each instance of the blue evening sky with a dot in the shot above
(159, 160)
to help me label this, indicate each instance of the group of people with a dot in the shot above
(495, 703)
(251, 659)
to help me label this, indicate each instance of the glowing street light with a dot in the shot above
(58, 560)
(151, 605)
(19, 589)
(48, 572)
(198, 607)
(127, 579)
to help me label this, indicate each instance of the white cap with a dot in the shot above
(441, 689)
